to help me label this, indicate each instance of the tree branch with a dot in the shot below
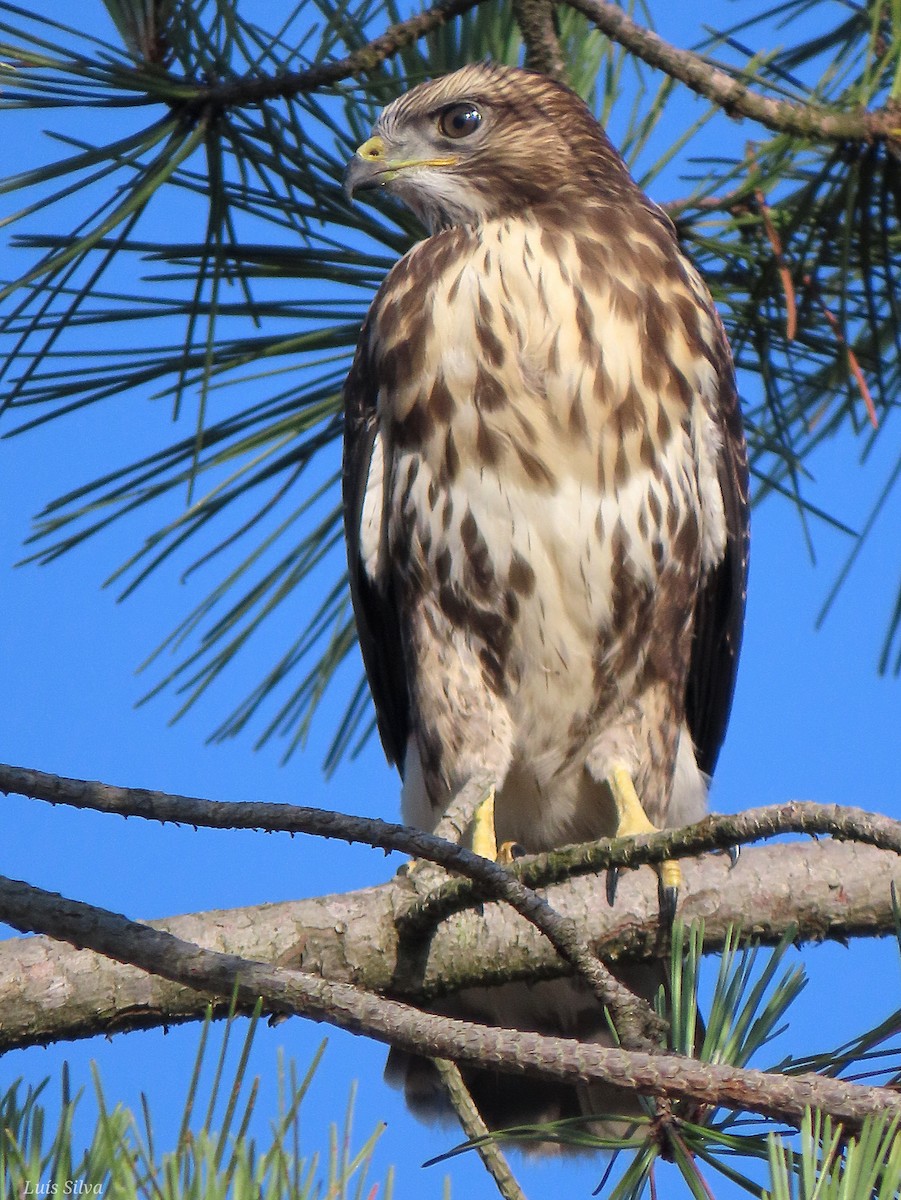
(637, 1024)
(475, 1128)
(257, 88)
(634, 1020)
(535, 19)
(49, 992)
(719, 831)
(731, 94)
(287, 991)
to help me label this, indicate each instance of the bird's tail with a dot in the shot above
(561, 1008)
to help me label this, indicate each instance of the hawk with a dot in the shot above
(545, 484)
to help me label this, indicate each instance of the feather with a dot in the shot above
(545, 492)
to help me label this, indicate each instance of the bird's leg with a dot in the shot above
(483, 838)
(472, 810)
(463, 809)
(468, 820)
(473, 807)
(484, 835)
(631, 819)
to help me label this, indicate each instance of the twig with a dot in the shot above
(535, 19)
(731, 94)
(772, 1094)
(732, 202)
(253, 89)
(476, 1130)
(459, 814)
(716, 832)
(51, 993)
(636, 1023)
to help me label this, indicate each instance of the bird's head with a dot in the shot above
(487, 141)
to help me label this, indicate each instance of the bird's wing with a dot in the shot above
(720, 607)
(365, 478)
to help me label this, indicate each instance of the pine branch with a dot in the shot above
(543, 53)
(732, 95)
(256, 88)
(535, 19)
(273, 174)
(483, 879)
(820, 890)
(293, 992)
(719, 831)
(636, 1023)
(475, 1128)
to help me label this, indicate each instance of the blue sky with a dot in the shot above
(812, 720)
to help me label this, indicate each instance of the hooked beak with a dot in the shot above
(367, 167)
(371, 166)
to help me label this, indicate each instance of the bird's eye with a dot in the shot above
(459, 120)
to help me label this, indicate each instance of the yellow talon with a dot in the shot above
(484, 835)
(509, 852)
(484, 838)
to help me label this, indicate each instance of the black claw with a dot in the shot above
(669, 899)
(612, 881)
(733, 852)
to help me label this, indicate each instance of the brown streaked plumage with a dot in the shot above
(546, 494)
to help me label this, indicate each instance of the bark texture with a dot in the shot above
(50, 991)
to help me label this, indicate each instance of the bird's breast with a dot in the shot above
(544, 453)
(540, 357)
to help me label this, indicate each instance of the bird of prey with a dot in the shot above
(545, 483)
